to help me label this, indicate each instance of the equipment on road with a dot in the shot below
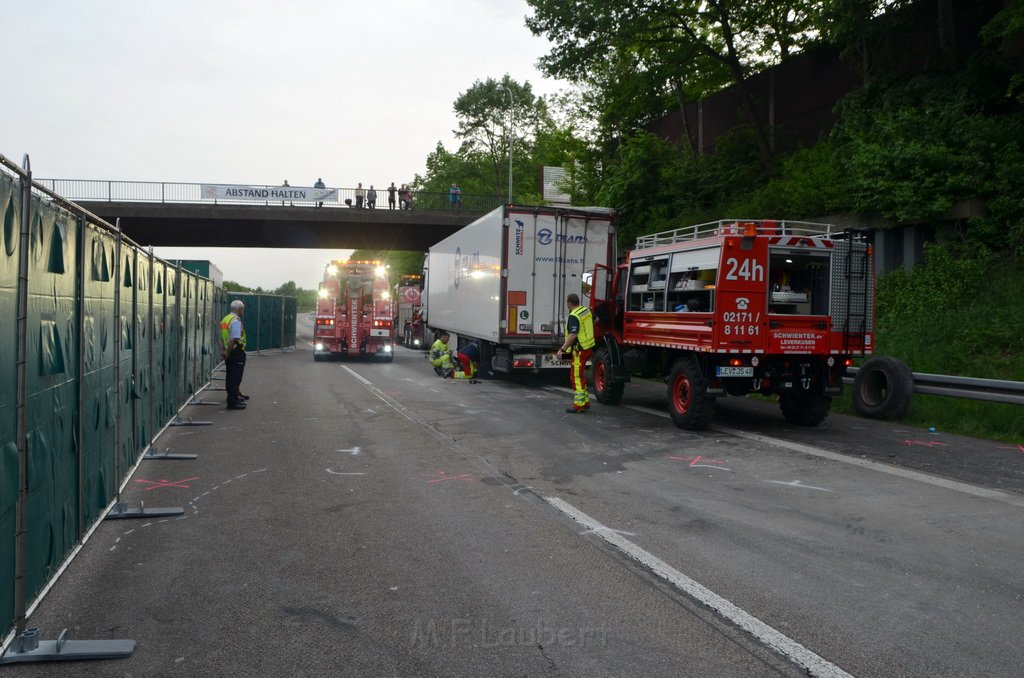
(353, 312)
(501, 281)
(736, 307)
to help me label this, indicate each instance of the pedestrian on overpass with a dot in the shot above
(319, 184)
(360, 195)
(232, 342)
(455, 196)
(371, 198)
(579, 341)
(391, 196)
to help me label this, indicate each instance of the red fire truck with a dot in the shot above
(353, 312)
(408, 316)
(736, 307)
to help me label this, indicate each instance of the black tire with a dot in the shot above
(318, 357)
(688, 403)
(804, 408)
(607, 389)
(882, 388)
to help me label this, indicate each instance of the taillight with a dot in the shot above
(735, 362)
(522, 362)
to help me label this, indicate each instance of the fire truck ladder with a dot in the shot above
(858, 289)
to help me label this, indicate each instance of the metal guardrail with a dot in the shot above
(992, 390)
(178, 192)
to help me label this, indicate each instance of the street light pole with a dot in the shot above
(509, 90)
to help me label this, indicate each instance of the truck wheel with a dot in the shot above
(803, 408)
(688, 402)
(882, 388)
(607, 390)
(318, 357)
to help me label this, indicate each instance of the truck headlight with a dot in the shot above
(319, 346)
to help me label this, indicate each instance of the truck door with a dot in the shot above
(741, 313)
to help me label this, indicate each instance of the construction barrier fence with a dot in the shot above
(101, 344)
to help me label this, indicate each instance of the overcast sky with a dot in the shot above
(250, 92)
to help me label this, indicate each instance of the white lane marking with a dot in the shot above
(366, 382)
(354, 451)
(797, 483)
(954, 485)
(339, 473)
(595, 530)
(813, 663)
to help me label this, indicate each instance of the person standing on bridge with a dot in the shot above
(391, 196)
(579, 341)
(371, 198)
(232, 350)
(455, 196)
(319, 184)
(360, 195)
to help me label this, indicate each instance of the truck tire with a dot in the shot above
(805, 408)
(882, 388)
(688, 402)
(607, 390)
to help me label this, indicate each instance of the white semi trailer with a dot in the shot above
(501, 282)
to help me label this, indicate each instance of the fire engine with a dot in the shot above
(353, 312)
(408, 317)
(736, 307)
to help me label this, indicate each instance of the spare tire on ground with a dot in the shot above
(882, 388)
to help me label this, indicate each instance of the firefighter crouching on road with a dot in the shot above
(579, 340)
(232, 350)
(441, 356)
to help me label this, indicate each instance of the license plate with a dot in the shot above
(729, 371)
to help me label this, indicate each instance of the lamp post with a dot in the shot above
(507, 89)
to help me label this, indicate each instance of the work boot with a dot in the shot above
(573, 410)
(236, 406)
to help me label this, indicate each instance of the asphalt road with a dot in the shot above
(371, 519)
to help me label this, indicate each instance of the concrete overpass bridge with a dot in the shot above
(165, 214)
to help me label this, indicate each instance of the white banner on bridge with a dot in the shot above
(263, 193)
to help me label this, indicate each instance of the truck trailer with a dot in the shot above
(501, 282)
(353, 312)
(408, 322)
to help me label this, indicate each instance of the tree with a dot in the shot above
(688, 46)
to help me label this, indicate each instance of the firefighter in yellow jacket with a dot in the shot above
(441, 356)
(579, 341)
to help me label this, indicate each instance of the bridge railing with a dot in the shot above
(179, 192)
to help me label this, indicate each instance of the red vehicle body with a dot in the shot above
(409, 326)
(736, 307)
(353, 312)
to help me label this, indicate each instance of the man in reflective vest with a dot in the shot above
(441, 356)
(579, 341)
(232, 350)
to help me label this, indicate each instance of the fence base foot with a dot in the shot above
(28, 648)
(154, 453)
(122, 511)
(178, 421)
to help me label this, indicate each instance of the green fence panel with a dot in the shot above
(51, 394)
(100, 340)
(291, 315)
(10, 224)
(268, 322)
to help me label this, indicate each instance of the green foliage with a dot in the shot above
(399, 262)
(232, 286)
